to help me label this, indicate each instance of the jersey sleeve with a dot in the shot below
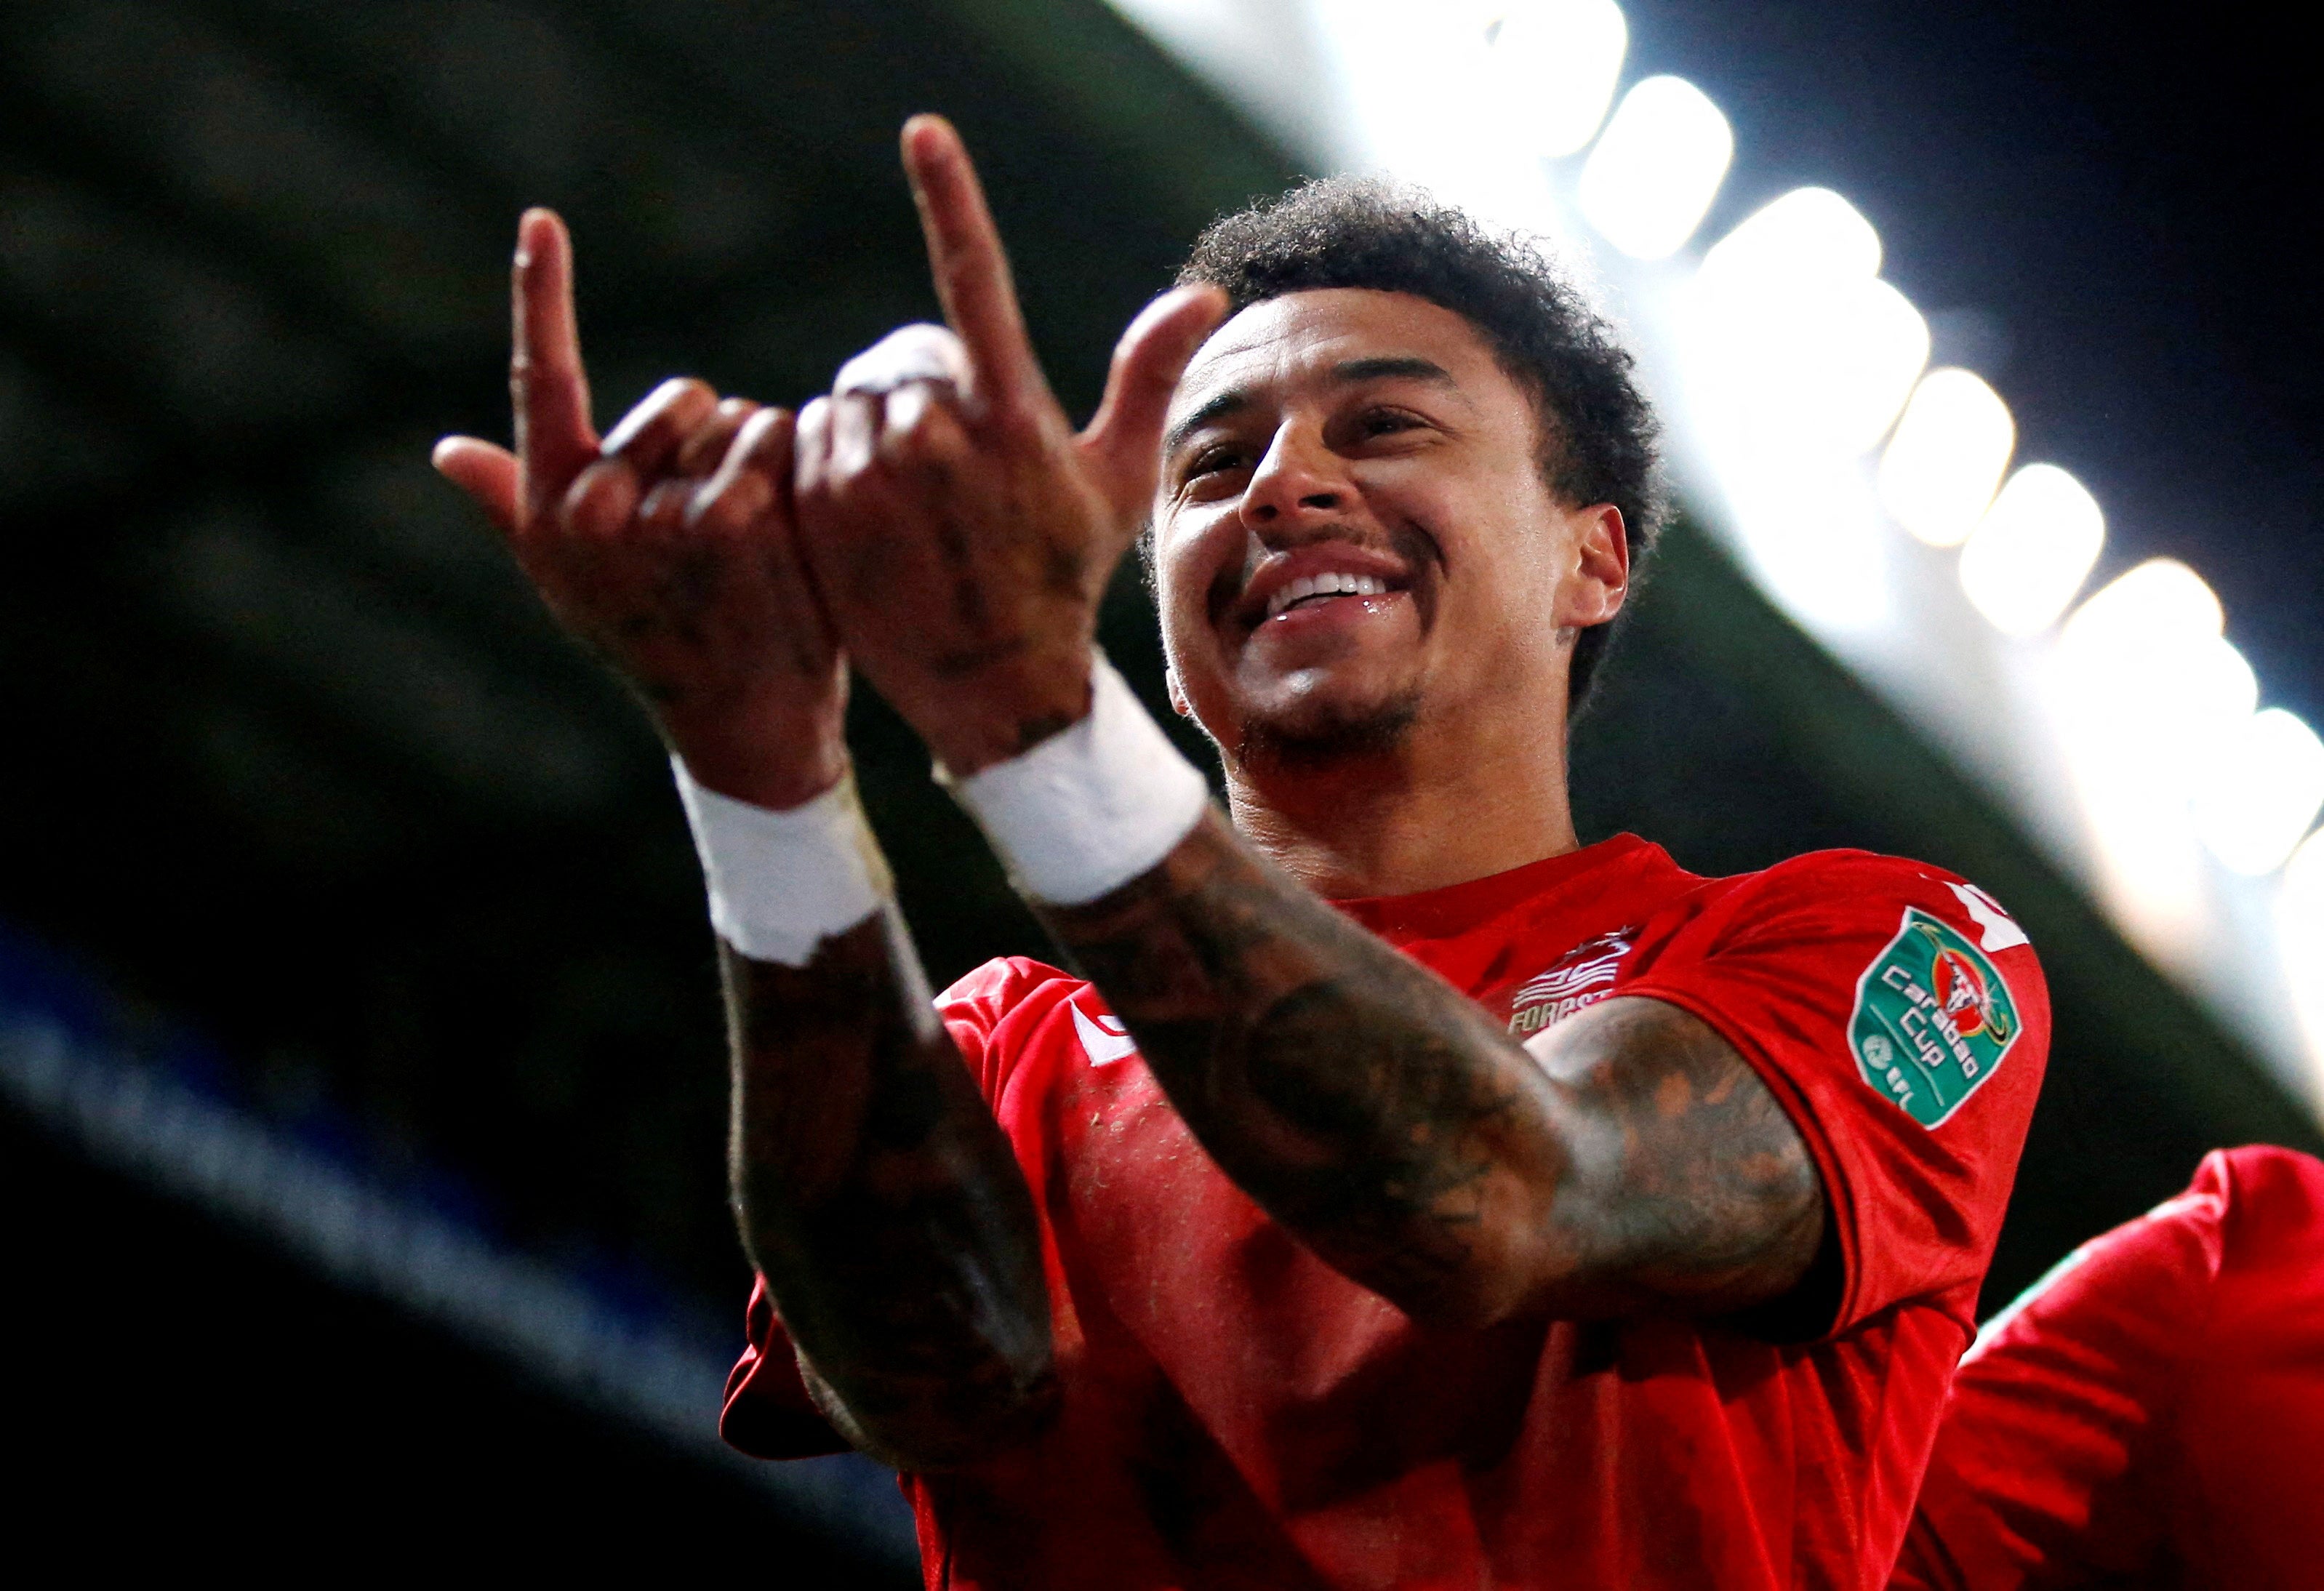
(1900, 1017)
(2249, 1424)
(2051, 1466)
(766, 1412)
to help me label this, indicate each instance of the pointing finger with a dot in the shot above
(546, 380)
(971, 269)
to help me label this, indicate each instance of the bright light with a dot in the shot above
(2256, 797)
(2299, 940)
(1810, 230)
(2151, 681)
(2033, 549)
(1557, 62)
(1947, 456)
(1795, 346)
(1813, 530)
(2148, 692)
(2162, 598)
(1648, 183)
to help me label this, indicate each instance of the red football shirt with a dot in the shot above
(2152, 1412)
(1237, 1414)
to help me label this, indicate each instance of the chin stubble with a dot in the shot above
(1337, 738)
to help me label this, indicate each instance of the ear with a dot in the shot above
(1178, 703)
(1599, 579)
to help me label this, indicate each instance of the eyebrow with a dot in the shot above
(1410, 367)
(1231, 401)
(1381, 367)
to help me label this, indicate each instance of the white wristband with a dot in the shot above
(1093, 806)
(783, 882)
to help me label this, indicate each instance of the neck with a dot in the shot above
(1437, 809)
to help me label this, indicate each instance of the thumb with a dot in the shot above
(1124, 439)
(486, 472)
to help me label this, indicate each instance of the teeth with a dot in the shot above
(1327, 585)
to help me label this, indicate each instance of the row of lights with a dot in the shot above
(1799, 361)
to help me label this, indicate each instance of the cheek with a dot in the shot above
(1194, 559)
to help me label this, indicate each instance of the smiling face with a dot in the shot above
(1356, 549)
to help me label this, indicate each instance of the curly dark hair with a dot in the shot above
(1598, 432)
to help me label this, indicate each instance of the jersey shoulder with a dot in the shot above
(1850, 877)
(1821, 890)
(988, 992)
(995, 1012)
(2270, 1204)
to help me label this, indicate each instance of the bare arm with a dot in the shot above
(962, 535)
(874, 1191)
(879, 1199)
(1631, 1162)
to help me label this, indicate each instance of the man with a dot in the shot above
(2151, 1414)
(1530, 1214)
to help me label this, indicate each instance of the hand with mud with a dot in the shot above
(960, 530)
(668, 548)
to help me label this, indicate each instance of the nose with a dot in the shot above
(1300, 481)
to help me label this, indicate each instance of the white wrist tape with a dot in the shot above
(1093, 806)
(783, 882)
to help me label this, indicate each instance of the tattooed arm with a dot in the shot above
(962, 535)
(1630, 1161)
(880, 1201)
(876, 1193)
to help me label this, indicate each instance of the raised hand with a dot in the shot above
(687, 582)
(959, 529)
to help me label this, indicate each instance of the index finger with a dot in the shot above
(971, 269)
(547, 384)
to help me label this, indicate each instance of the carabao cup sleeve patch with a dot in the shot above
(1933, 1019)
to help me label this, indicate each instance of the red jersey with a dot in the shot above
(2151, 1412)
(1237, 1414)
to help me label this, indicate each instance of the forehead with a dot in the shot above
(1303, 340)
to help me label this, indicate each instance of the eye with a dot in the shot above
(1214, 460)
(1387, 422)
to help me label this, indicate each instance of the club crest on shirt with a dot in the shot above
(1933, 1019)
(1583, 976)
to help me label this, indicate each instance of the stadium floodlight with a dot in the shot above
(1657, 166)
(2257, 796)
(1557, 62)
(2155, 691)
(2033, 549)
(1812, 531)
(2162, 598)
(1938, 475)
(1794, 345)
(1810, 230)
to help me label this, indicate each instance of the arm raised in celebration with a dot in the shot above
(874, 1191)
(962, 534)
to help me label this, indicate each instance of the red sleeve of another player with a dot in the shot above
(2251, 1412)
(1901, 1020)
(767, 1412)
(2052, 1464)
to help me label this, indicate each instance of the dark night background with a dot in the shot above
(297, 765)
(2131, 210)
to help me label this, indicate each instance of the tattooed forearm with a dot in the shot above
(880, 1200)
(1380, 1115)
